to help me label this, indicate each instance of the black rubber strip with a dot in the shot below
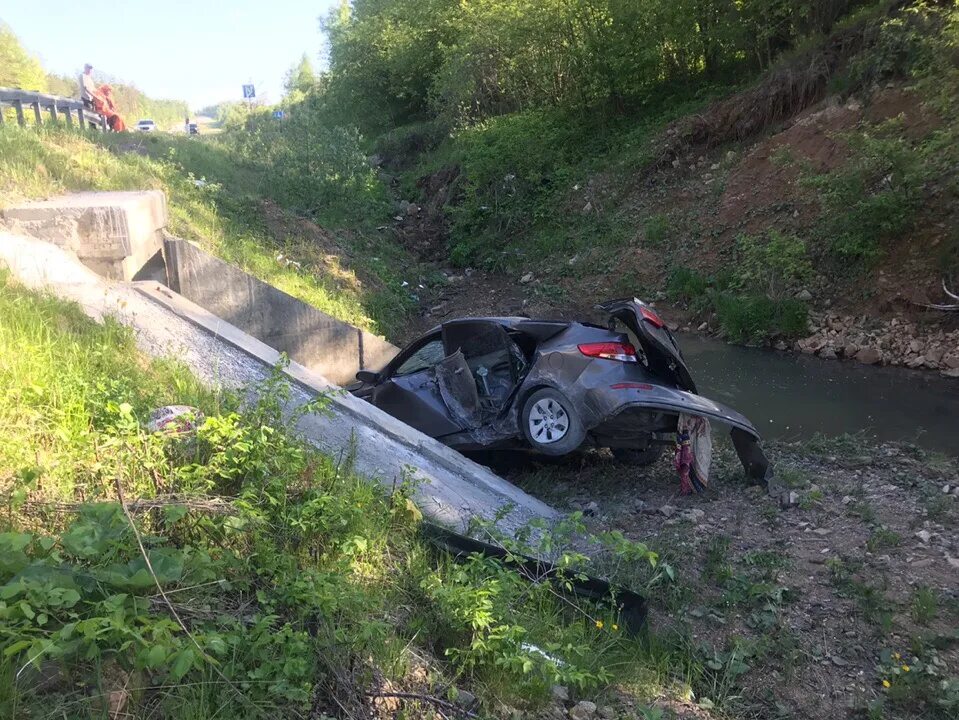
(630, 606)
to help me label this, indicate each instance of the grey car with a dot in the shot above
(553, 386)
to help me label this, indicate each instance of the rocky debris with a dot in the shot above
(667, 511)
(924, 536)
(592, 508)
(583, 710)
(560, 693)
(804, 295)
(527, 278)
(606, 712)
(873, 342)
(465, 699)
(693, 515)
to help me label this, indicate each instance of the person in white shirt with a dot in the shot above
(88, 88)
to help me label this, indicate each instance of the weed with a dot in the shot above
(686, 285)
(925, 605)
(716, 564)
(881, 538)
(657, 230)
(772, 265)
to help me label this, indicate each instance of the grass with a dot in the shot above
(356, 276)
(312, 585)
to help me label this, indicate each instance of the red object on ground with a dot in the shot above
(103, 104)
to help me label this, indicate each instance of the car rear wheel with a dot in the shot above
(551, 424)
(639, 458)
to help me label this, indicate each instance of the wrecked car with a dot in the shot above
(553, 386)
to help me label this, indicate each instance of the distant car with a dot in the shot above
(553, 386)
(147, 126)
(193, 129)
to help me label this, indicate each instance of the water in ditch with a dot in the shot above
(793, 396)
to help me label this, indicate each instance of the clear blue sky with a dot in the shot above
(199, 51)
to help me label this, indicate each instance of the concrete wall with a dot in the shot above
(312, 338)
(112, 233)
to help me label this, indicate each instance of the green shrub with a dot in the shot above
(686, 285)
(772, 265)
(755, 318)
(872, 199)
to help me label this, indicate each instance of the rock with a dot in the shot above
(924, 536)
(920, 564)
(703, 327)
(804, 295)
(465, 699)
(781, 346)
(730, 155)
(953, 373)
(528, 277)
(946, 489)
(559, 692)
(915, 346)
(789, 499)
(591, 508)
(676, 163)
(667, 510)
(828, 352)
(868, 356)
(953, 562)
(375, 161)
(951, 361)
(605, 711)
(846, 499)
(583, 710)
(838, 661)
(587, 207)
(822, 532)
(693, 515)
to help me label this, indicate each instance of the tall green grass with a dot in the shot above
(217, 200)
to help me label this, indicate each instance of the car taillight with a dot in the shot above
(651, 316)
(623, 352)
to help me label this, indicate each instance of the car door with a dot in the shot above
(494, 361)
(410, 393)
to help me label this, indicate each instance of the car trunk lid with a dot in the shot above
(663, 355)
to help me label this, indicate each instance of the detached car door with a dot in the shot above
(410, 393)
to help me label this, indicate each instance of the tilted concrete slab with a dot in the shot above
(330, 347)
(449, 488)
(112, 233)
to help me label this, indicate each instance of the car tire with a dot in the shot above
(551, 424)
(637, 457)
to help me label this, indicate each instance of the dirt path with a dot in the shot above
(802, 610)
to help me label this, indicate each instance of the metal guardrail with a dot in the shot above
(70, 109)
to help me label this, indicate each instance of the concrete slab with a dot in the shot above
(328, 346)
(113, 233)
(448, 488)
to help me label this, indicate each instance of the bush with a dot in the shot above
(755, 318)
(772, 265)
(686, 285)
(657, 230)
(872, 199)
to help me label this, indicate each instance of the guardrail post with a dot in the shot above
(69, 116)
(18, 106)
(38, 118)
(1, 113)
(54, 115)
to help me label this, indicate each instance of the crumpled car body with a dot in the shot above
(553, 385)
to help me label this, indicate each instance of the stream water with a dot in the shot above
(792, 396)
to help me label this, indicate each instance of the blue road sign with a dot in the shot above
(278, 114)
(248, 92)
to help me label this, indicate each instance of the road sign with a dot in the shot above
(248, 92)
(278, 114)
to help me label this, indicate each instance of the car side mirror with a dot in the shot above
(368, 376)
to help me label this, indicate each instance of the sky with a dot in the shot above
(199, 51)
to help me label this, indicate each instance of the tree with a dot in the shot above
(19, 69)
(300, 79)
